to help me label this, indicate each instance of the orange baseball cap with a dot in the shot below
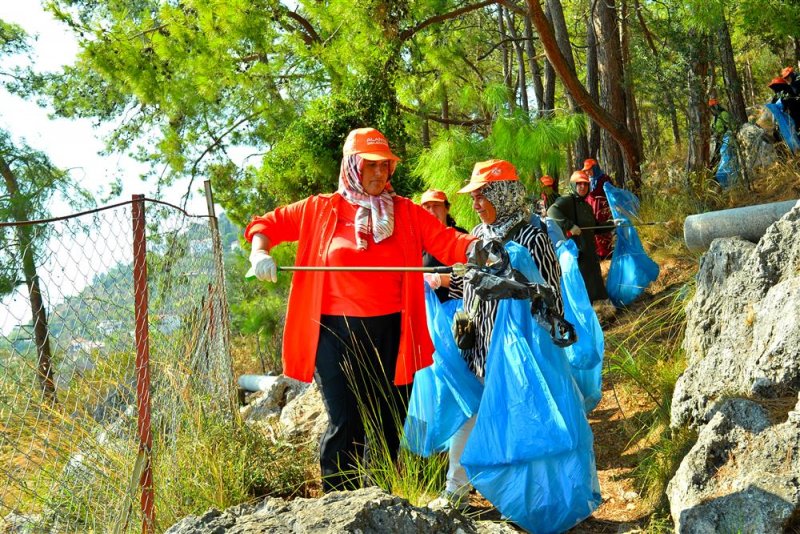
(368, 143)
(777, 81)
(493, 170)
(433, 195)
(578, 177)
(787, 71)
(588, 164)
(713, 102)
(547, 180)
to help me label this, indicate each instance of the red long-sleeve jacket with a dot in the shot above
(311, 222)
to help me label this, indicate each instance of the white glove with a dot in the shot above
(434, 280)
(263, 266)
(575, 230)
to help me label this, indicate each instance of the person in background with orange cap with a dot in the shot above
(499, 199)
(791, 78)
(603, 238)
(786, 95)
(721, 125)
(435, 202)
(547, 196)
(360, 335)
(574, 215)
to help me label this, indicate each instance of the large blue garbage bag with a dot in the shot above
(530, 452)
(631, 269)
(786, 125)
(727, 168)
(446, 393)
(586, 355)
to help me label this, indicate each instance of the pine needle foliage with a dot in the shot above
(535, 146)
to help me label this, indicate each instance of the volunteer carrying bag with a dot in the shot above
(530, 452)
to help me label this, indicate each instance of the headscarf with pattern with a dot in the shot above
(377, 210)
(508, 199)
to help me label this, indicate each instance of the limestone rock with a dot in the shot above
(743, 326)
(366, 511)
(741, 475)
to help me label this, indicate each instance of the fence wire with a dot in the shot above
(69, 448)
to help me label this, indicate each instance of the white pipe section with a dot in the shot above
(750, 223)
(256, 382)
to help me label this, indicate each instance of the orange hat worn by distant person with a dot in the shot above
(493, 170)
(787, 71)
(588, 164)
(712, 102)
(777, 81)
(579, 177)
(547, 180)
(433, 195)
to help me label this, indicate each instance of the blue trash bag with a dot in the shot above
(446, 393)
(530, 452)
(786, 126)
(631, 269)
(727, 168)
(586, 355)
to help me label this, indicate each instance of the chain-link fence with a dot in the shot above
(113, 338)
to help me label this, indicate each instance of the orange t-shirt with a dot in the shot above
(359, 293)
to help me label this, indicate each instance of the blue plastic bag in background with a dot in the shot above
(530, 453)
(786, 126)
(728, 163)
(631, 269)
(446, 393)
(586, 355)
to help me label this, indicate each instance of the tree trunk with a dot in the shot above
(445, 108)
(665, 86)
(506, 58)
(549, 88)
(733, 84)
(612, 83)
(748, 83)
(697, 112)
(522, 84)
(533, 65)
(631, 109)
(41, 336)
(603, 118)
(592, 82)
(556, 11)
(426, 134)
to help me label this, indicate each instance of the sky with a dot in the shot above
(70, 144)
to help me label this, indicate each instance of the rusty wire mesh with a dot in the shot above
(68, 459)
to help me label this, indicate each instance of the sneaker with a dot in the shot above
(448, 499)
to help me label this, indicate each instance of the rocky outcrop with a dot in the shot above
(743, 326)
(366, 511)
(757, 151)
(742, 475)
(292, 409)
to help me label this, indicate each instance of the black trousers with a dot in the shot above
(355, 367)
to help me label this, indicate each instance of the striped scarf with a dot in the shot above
(375, 214)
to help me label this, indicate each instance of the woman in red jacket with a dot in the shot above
(361, 335)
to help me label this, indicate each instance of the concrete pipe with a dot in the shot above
(749, 223)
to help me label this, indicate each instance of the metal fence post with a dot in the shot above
(221, 295)
(143, 362)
